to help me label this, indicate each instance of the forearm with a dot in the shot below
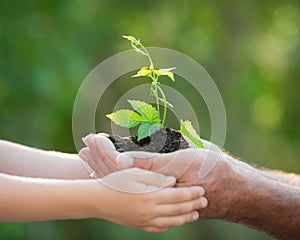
(16, 159)
(267, 205)
(32, 199)
(288, 178)
(247, 196)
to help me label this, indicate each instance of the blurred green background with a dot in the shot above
(250, 48)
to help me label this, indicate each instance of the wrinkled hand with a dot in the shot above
(155, 208)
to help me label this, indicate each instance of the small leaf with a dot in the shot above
(147, 129)
(125, 118)
(144, 72)
(165, 72)
(148, 112)
(188, 131)
(131, 39)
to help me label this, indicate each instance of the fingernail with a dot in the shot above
(92, 174)
(195, 216)
(203, 202)
(124, 161)
(201, 192)
(170, 179)
(85, 138)
(103, 134)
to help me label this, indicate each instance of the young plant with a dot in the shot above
(145, 116)
(153, 74)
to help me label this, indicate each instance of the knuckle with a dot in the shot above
(197, 190)
(178, 209)
(182, 192)
(160, 222)
(177, 222)
(149, 199)
(196, 204)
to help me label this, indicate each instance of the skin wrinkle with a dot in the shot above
(276, 202)
(248, 198)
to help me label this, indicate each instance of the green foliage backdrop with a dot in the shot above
(250, 48)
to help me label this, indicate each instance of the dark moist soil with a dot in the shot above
(163, 141)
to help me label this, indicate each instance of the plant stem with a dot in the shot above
(155, 92)
(147, 54)
(144, 50)
(156, 88)
(165, 106)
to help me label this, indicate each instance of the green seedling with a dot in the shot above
(145, 116)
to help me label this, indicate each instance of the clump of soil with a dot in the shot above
(163, 141)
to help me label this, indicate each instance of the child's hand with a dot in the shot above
(137, 198)
(100, 154)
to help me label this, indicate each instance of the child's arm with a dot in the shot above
(32, 199)
(16, 159)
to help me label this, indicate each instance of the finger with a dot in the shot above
(108, 160)
(82, 153)
(154, 180)
(177, 163)
(89, 142)
(93, 158)
(174, 221)
(103, 165)
(107, 149)
(103, 134)
(137, 180)
(136, 159)
(101, 162)
(124, 161)
(181, 208)
(178, 195)
(87, 137)
(154, 229)
(85, 156)
(211, 146)
(146, 160)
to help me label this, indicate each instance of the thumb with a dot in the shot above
(158, 180)
(145, 160)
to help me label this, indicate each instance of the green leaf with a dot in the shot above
(148, 71)
(145, 115)
(188, 131)
(131, 39)
(147, 129)
(125, 118)
(165, 72)
(144, 72)
(147, 111)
